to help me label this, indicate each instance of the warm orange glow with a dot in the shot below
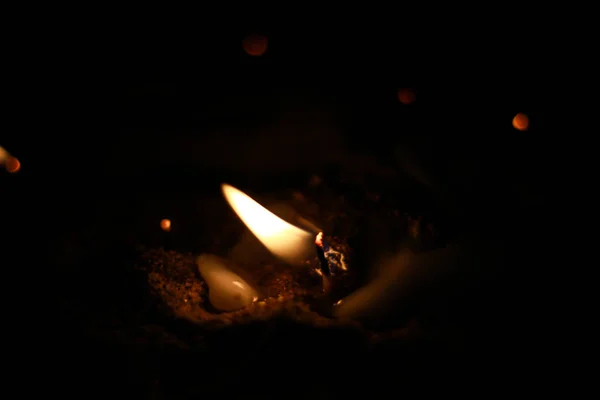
(283, 239)
(165, 225)
(319, 239)
(3, 155)
(521, 122)
(406, 96)
(255, 45)
(13, 164)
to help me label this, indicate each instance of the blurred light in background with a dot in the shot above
(11, 163)
(521, 122)
(255, 45)
(3, 155)
(406, 96)
(165, 225)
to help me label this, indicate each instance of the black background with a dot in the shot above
(108, 99)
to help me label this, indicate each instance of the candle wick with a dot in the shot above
(320, 244)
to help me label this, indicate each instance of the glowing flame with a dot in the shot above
(281, 238)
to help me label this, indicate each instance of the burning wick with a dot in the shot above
(331, 260)
(325, 272)
(321, 254)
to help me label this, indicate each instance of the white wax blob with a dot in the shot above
(227, 291)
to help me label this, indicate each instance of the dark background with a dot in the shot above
(150, 105)
(114, 86)
(159, 111)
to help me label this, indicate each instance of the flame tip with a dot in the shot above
(279, 236)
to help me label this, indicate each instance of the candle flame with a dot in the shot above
(282, 239)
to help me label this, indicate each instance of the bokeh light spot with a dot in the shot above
(13, 165)
(165, 225)
(255, 45)
(406, 96)
(520, 122)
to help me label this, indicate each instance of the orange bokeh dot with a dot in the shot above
(165, 225)
(13, 164)
(255, 45)
(521, 122)
(406, 96)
